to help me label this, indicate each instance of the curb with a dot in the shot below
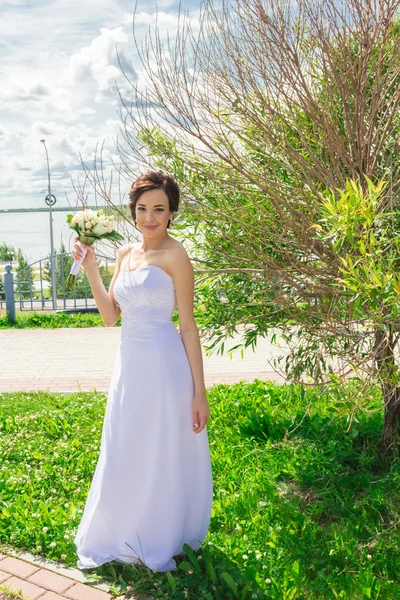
(53, 566)
(71, 573)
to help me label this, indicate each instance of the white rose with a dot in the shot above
(88, 225)
(99, 229)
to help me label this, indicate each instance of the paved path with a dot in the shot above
(49, 580)
(66, 360)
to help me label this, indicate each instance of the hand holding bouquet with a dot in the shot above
(91, 226)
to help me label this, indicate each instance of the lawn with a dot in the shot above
(34, 320)
(301, 509)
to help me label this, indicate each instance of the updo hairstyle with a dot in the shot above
(155, 180)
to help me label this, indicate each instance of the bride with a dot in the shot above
(151, 491)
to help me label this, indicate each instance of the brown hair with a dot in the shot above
(155, 180)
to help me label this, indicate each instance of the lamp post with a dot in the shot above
(50, 200)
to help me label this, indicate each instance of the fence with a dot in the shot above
(30, 288)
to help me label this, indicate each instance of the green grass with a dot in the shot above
(42, 320)
(53, 321)
(301, 509)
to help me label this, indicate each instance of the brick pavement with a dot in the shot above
(48, 580)
(66, 360)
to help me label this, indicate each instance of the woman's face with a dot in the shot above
(152, 212)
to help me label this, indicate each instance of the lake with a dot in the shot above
(31, 232)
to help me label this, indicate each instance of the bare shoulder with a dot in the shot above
(177, 252)
(178, 259)
(124, 250)
(183, 275)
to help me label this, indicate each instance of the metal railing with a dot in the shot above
(30, 288)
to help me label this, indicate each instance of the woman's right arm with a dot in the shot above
(105, 301)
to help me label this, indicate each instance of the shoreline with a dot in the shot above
(54, 209)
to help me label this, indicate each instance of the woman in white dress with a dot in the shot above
(152, 488)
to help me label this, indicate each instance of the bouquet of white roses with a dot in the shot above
(91, 226)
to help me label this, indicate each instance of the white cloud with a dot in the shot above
(4, 135)
(25, 90)
(58, 75)
(166, 22)
(5, 3)
(98, 62)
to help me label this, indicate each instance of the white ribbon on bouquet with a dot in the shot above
(77, 263)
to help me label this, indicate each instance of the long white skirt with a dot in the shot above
(152, 487)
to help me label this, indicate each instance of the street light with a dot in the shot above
(50, 200)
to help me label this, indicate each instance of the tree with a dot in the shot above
(24, 286)
(268, 114)
(7, 253)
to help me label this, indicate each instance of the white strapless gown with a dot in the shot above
(152, 487)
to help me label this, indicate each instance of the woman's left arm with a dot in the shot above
(183, 276)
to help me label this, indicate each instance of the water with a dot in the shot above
(31, 233)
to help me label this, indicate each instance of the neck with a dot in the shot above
(152, 243)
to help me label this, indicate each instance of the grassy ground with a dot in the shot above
(53, 321)
(34, 320)
(7, 593)
(6, 596)
(301, 509)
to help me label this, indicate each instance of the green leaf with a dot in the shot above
(296, 568)
(113, 235)
(74, 228)
(171, 581)
(362, 248)
(192, 556)
(250, 574)
(211, 571)
(230, 582)
(111, 570)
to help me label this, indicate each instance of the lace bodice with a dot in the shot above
(146, 297)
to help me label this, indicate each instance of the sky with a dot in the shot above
(58, 70)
